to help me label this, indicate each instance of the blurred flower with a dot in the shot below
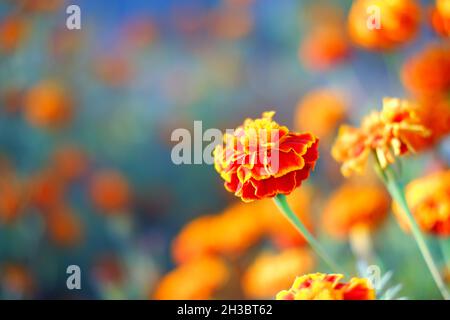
(231, 22)
(277, 227)
(64, 226)
(427, 73)
(13, 194)
(13, 30)
(324, 47)
(195, 280)
(16, 280)
(399, 21)
(110, 191)
(387, 133)
(321, 286)
(46, 6)
(69, 162)
(270, 273)
(434, 114)
(48, 105)
(429, 200)
(250, 177)
(320, 111)
(355, 206)
(440, 18)
(11, 99)
(229, 233)
(46, 189)
(109, 270)
(113, 70)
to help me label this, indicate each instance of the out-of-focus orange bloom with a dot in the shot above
(399, 22)
(355, 206)
(262, 159)
(109, 269)
(110, 191)
(46, 190)
(48, 105)
(429, 201)
(270, 272)
(387, 133)
(319, 286)
(37, 6)
(16, 280)
(113, 70)
(277, 227)
(320, 111)
(13, 30)
(63, 226)
(440, 18)
(427, 73)
(324, 47)
(231, 22)
(12, 198)
(69, 162)
(229, 233)
(434, 114)
(197, 279)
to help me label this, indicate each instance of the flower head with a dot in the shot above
(319, 286)
(429, 201)
(388, 133)
(262, 159)
(440, 18)
(354, 206)
(399, 23)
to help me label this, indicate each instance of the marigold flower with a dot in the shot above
(270, 272)
(69, 162)
(429, 200)
(110, 191)
(319, 286)
(427, 73)
(47, 190)
(388, 133)
(13, 30)
(262, 159)
(320, 111)
(324, 47)
(196, 280)
(16, 279)
(47, 105)
(229, 233)
(353, 206)
(12, 194)
(440, 18)
(64, 227)
(398, 24)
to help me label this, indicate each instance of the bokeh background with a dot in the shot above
(86, 118)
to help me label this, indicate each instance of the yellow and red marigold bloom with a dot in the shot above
(320, 111)
(388, 133)
(440, 18)
(269, 273)
(196, 280)
(429, 201)
(398, 24)
(262, 159)
(355, 206)
(319, 286)
(428, 72)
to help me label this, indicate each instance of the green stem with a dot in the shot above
(398, 195)
(281, 202)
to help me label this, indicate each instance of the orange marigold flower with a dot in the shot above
(269, 273)
(262, 159)
(13, 30)
(320, 111)
(440, 18)
(319, 286)
(48, 105)
(427, 73)
(110, 191)
(387, 133)
(324, 47)
(399, 23)
(12, 194)
(196, 280)
(229, 233)
(354, 206)
(47, 190)
(16, 279)
(64, 227)
(69, 162)
(429, 201)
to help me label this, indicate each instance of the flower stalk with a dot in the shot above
(391, 182)
(282, 204)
